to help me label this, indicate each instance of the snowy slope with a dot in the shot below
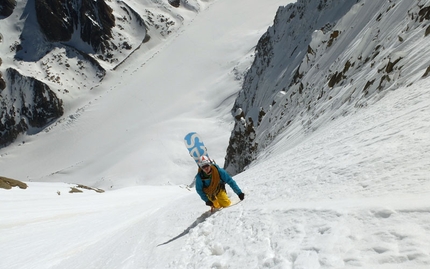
(353, 194)
(147, 106)
(54, 49)
(339, 56)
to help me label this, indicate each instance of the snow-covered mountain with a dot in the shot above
(324, 59)
(343, 185)
(66, 47)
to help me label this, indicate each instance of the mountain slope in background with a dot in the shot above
(186, 81)
(66, 47)
(324, 59)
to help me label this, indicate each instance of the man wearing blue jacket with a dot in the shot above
(210, 184)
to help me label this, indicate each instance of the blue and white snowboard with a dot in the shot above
(196, 147)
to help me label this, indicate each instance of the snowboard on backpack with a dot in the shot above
(196, 147)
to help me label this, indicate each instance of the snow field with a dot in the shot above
(351, 194)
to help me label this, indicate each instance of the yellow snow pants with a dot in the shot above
(221, 200)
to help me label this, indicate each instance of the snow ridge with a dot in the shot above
(321, 60)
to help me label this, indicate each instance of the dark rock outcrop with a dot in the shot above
(2, 82)
(9, 183)
(27, 105)
(174, 3)
(58, 19)
(6, 8)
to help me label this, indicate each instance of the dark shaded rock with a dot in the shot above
(58, 19)
(27, 103)
(10, 127)
(2, 82)
(241, 144)
(97, 21)
(174, 3)
(6, 8)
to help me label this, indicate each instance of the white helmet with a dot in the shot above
(204, 160)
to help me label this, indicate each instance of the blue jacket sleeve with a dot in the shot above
(199, 188)
(229, 180)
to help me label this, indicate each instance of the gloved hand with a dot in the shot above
(241, 196)
(209, 203)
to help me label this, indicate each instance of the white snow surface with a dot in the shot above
(353, 194)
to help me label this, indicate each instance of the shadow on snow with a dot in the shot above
(200, 219)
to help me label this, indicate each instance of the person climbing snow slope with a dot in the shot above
(210, 184)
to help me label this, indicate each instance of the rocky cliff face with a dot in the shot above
(321, 59)
(92, 27)
(93, 19)
(27, 106)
